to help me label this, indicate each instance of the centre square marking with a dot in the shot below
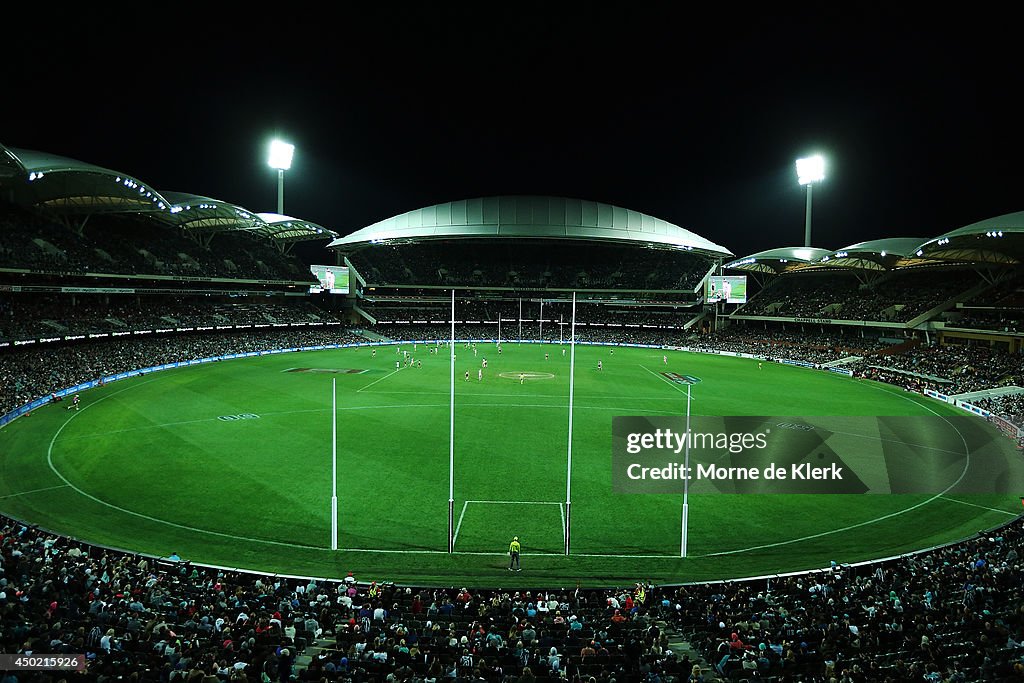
(526, 375)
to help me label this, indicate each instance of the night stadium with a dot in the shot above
(511, 389)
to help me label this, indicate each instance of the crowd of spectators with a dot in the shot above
(951, 614)
(1010, 406)
(814, 347)
(24, 316)
(26, 375)
(840, 296)
(523, 264)
(143, 619)
(989, 319)
(128, 245)
(966, 368)
(487, 311)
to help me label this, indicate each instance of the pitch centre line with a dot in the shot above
(25, 493)
(975, 505)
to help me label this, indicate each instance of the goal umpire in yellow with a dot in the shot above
(513, 554)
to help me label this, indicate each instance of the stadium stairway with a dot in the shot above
(948, 304)
(304, 658)
(370, 336)
(680, 646)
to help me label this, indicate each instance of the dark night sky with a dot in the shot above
(692, 118)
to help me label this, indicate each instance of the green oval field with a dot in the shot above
(229, 463)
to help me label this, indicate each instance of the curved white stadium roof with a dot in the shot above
(530, 217)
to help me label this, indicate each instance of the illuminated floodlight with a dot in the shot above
(280, 155)
(810, 169)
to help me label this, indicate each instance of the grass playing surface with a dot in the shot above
(156, 464)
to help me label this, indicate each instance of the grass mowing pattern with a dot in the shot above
(147, 464)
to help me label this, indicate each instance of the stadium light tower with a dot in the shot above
(809, 170)
(280, 158)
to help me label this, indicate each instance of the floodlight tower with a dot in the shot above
(281, 159)
(809, 170)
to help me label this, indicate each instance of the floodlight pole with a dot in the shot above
(451, 440)
(807, 217)
(568, 459)
(334, 463)
(686, 480)
(280, 191)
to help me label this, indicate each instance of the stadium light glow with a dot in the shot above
(810, 169)
(280, 155)
(281, 159)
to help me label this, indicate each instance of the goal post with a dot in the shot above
(334, 463)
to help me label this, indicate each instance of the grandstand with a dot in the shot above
(102, 276)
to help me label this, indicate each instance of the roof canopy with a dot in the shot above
(780, 260)
(877, 254)
(287, 229)
(995, 241)
(68, 186)
(998, 240)
(531, 218)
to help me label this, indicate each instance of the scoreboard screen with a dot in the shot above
(732, 289)
(331, 279)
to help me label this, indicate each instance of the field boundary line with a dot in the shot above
(25, 493)
(937, 496)
(975, 505)
(49, 461)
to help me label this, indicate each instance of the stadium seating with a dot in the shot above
(40, 316)
(946, 614)
(544, 265)
(128, 246)
(898, 297)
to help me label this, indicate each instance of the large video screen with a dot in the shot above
(732, 289)
(333, 279)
